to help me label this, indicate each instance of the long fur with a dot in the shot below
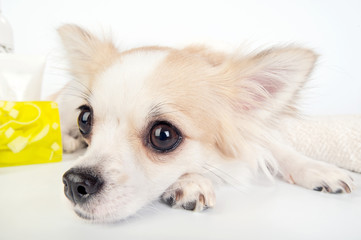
(229, 108)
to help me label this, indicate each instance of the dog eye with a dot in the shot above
(85, 120)
(164, 137)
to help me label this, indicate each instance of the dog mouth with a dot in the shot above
(95, 218)
(84, 216)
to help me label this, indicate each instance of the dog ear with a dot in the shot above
(270, 80)
(88, 55)
(254, 92)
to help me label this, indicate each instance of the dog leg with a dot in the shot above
(191, 192)
(296, 168)
(333, 139)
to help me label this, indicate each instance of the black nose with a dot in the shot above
(81, 184)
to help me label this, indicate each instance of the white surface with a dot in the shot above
(33, 206)
(32, 203)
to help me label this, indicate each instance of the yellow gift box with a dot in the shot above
(29, 133)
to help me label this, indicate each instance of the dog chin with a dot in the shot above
(84, 216)
(99, 214)
(97, 218)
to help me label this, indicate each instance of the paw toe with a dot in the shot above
(345, 186)
(318, 189)
(190, 205)
(173, 198)
(335, 187)
(338, 191)
(170, 201)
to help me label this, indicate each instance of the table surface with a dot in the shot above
(33, 206)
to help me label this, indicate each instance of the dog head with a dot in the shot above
(152, 114)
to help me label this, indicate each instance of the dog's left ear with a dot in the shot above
(270, 80)
(257, 90)
(88, 55)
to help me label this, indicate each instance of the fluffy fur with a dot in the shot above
(229, 109)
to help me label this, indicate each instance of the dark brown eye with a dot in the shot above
(85, 120)
(164, 137)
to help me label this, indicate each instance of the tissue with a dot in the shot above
(29, 128)
(29, 133)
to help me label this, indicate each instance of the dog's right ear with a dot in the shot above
(87, 54)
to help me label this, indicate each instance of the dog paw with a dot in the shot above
(191, 192)
(72, 143)
(325, 178)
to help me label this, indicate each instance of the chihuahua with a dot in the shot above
(172, 123)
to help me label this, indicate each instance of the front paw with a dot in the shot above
(325, 178)
(72, 143)
(191, 192)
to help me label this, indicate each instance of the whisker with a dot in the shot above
(223, 172)
(80, 90)
(214, 173)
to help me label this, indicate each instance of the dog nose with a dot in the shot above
(80, 185)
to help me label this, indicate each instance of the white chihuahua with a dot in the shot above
(166, 122)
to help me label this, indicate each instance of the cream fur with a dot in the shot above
(231, 111)
(340, 132)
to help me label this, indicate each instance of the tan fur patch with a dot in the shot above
(195, 88)
(224, 95)
(145, 49)
(212, 57)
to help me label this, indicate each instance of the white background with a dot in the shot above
(32, 205)
(331, 28)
